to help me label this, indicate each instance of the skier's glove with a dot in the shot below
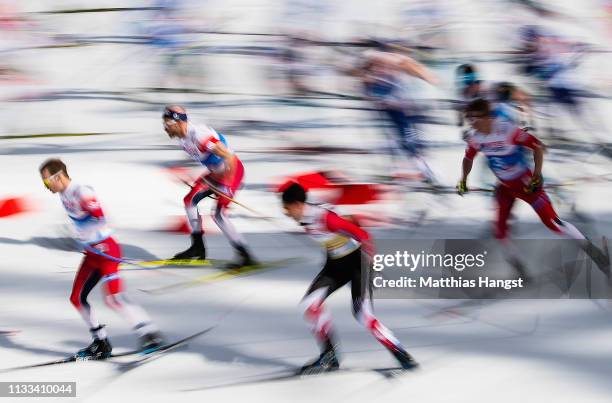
(462, 188)
(534, 184)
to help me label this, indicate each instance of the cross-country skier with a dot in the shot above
(101, 263)
(349, 252)
(382, 76)
(503, 144)
(222, 175)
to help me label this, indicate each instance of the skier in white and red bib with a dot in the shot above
(223, 173)
(101, 263)
(504, 145)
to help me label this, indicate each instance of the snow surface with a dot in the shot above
(527, 350)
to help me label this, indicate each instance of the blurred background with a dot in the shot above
(359, 100)
(303, 87)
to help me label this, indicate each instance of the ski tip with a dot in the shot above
(175, 345)
(150, 292)
(151, 264)
(203, 331)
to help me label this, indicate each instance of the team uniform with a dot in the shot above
(343, 242)
(505, 150)
(224, 176)
(100, 264)
(387, 90)
(471, 88)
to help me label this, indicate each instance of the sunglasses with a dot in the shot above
(47, 181)
(168, 114)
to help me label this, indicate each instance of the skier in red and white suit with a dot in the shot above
(344, 242)
(101, 263)
(504, 144)
(223, 173)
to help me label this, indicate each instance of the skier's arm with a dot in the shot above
(468, 161)
(416, 69)
(538, 159)
(220, 150)
(466, 168)
(216, 147)
(525, 139)
(90, 204)
(405, 64)
(470, 153)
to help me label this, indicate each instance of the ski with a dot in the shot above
(176, 262)
(134, 265)
(146, 355)
(223, 274)
(141, 353)
(393, 372)
(44, 364)
(165, 264)
(388, 373)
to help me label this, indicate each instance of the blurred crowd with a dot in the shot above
(412, 61)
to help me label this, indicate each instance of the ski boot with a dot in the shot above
(406, 361)
(244, 259)
(326, 362)
(197, 250)
(151, 341)
(99, 349)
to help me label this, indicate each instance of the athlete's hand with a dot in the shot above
(534, 184)
(462, 187)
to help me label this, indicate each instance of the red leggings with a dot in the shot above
(95, 268)
(228, 184)
(507, 194)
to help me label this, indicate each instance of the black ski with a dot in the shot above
(142, 354)
(294, 374)
(146, 355)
